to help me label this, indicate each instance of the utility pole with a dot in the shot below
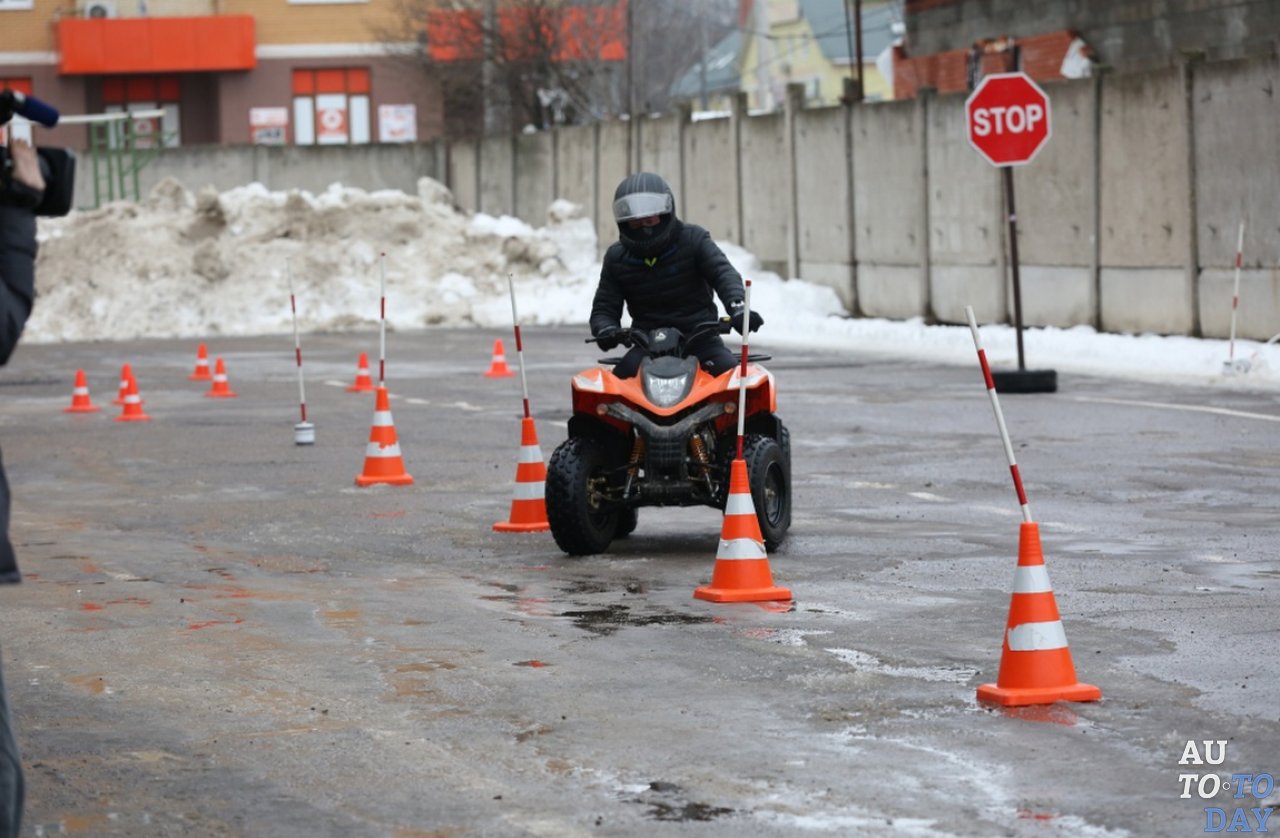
(702, 63)
(488, 72)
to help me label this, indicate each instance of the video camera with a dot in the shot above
(57, 165)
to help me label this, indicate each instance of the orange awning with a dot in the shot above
(156, 44)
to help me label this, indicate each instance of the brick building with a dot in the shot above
(222, 71)
(1123, 35)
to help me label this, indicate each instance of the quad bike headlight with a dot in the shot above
(665, 392)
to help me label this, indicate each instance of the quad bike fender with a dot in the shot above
(615, 441)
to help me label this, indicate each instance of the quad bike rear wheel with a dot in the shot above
(577, 475)
(627, 520)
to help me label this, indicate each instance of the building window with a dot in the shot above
(147, 93)
(331, 106)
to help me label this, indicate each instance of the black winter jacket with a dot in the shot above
(673, 289)
(17, 292)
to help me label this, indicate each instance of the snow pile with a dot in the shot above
(180, 265)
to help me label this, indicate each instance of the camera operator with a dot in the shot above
(25, 189)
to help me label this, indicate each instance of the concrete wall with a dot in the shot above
(1127, 219)
(766, 224)
(889, 209)
(709, 178)
(966, 221)
(1057, 218)
(535, 176)
(1145, 232)
(823, 200)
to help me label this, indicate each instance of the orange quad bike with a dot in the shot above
(665, 437)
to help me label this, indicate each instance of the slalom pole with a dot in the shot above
(995, 407)
(1235, 297)
(515, 319)
(304, 433)
(742, 373)
(382, 337)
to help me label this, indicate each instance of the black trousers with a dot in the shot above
(714, 356)
(11, 788)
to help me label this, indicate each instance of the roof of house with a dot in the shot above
(722, 70)
(830, 27)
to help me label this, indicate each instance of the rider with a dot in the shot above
(664, 271)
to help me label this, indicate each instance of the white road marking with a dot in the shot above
(1194, 408)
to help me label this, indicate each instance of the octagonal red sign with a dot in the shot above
(1007, 119)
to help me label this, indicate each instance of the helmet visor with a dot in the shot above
(641, 205)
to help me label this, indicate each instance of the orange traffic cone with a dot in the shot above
(382, 460)
(742, 572)
(498, 368)
(126, 373)
(132, 405)
(1035, 663)
(363, 383)
(80, 401)
(220, 389)
(529, 506)
(201, 372)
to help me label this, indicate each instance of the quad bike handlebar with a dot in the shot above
(645, 339)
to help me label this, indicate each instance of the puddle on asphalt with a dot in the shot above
(666, 804)
(607, 620)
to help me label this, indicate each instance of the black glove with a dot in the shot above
(609, 337)
(735, 319)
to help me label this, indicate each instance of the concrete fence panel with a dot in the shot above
(888, 211)
(576, 164)
(1237, 148)
(660, 151)
(1055, 197)
(966, 221)
(709, 178)
(613, 150)
(535, 176)
(766, 224)
(497, 176)
(822, 184)
(1145, 227)
(464, 174)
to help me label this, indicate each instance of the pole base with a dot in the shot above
(304, 433)
(1025, 381)
(1239, 365)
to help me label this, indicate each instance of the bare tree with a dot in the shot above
(505, 64)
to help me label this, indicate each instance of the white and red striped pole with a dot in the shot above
(995, 407)
(1235, 296)
(382, 336)
(742, 372)
(515, 318)
(304, 433)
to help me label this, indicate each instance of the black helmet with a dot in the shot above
(644, 195)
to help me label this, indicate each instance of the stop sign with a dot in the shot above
(1007, 119)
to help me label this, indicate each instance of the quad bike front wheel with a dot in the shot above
(577, 475)
(770, 478)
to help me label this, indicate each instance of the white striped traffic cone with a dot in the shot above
(1035, 662)
(382, 460)
(742, 571)
(529, 506)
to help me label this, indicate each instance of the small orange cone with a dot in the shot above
(201, 372)
(382, 460)
(132, 405)
(126, 373)
(498, 368)
(363, 383)
(529, 505)
(742, 571)
(80, 401)
(1035, 663)
(220, 389)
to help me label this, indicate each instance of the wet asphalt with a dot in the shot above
(220, 634)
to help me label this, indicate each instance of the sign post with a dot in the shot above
(1007, 122)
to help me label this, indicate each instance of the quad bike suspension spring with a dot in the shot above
(698, 448)
(633, 465)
